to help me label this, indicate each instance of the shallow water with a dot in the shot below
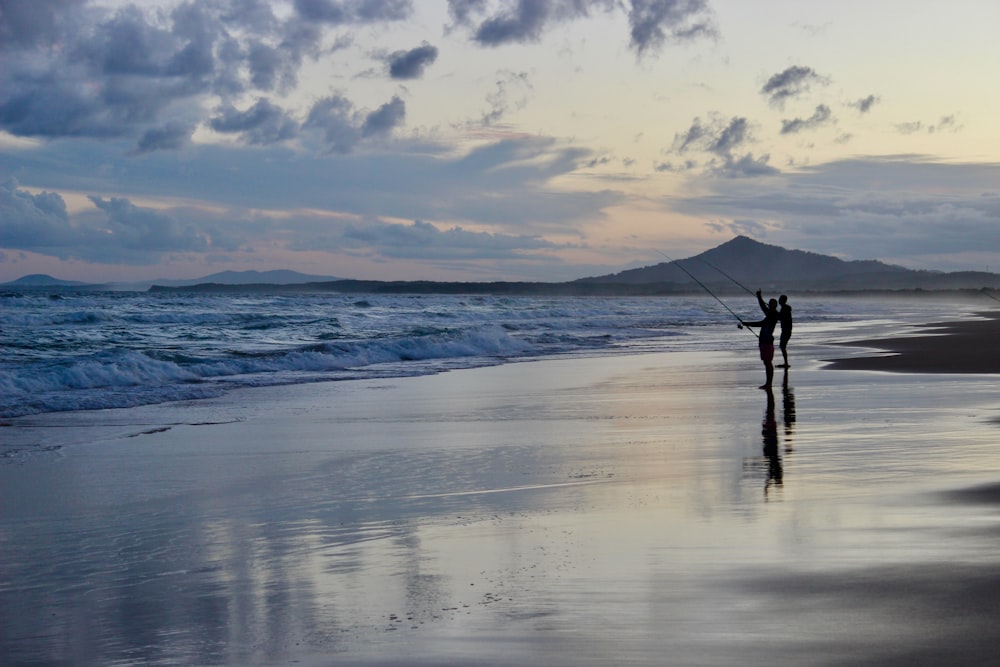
(644, 509)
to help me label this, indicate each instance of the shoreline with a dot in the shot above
(962, 347)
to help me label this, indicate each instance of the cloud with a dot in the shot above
(411, 64)
(262, 124)
(652, 23)
(504, 187)
(343, 127)
(945, 124)
(119, 231)
(384, 119)
(882, 208)
(346, 12)
(820, 117)
(146, 230)
(865, 104)
(790, 83)
(31, 222)
(512, 90)
(425, 241)
(171, 136)
(724, 140)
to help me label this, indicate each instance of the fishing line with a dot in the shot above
(749, 291)
(989, 295)
(705, 287)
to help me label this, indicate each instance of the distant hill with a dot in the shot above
(738, 264)
(42, 280)
(744, 262)
(279, 277)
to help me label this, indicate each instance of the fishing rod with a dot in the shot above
(749, 291)
(989, 295)
(705, 287)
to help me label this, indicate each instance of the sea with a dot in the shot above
(98, 350)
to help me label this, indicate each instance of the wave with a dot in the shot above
(101, 380)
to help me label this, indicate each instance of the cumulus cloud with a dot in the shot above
(820, 117)
(342, 126)
(262, 124)
(652, 23)
(118, 230)
(790, 83)
(411, 64)
(31, 222)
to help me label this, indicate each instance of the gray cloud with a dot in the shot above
(171, 136)
(724, 140)
(348, 12)
(146, 230)
(411, 64)
(790, 83)
(343, 127)
(865, 104)
(118, 231)
(503, 187)
(652, 23)
(918, 209)
(820, 117)
(31, 222)
(262, 124)
(384, 119)
(425, 241)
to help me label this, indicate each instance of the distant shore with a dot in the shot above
(968, 346)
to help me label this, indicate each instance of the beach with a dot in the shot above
(640, 509)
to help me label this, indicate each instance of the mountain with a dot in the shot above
(279, 277)
(743, 263)
(42, 280)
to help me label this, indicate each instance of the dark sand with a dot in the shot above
(647, 509)
(969, 346)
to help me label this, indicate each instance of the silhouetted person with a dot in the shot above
(785, 318)
(766, 337)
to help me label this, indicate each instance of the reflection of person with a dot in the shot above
(769, 435)
(766, 337)
(788, 409)
(785, 317)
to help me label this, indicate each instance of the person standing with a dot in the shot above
(766, 337)
(785, 318)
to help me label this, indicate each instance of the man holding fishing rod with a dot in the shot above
(766, 337)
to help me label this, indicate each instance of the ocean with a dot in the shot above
(97, 350)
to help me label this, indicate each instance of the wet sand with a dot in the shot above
(967, 346)
(644, 509)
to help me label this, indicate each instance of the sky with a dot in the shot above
(480, 140)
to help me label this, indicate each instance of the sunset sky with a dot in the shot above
(492, 139)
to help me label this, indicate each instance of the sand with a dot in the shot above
(643, 509)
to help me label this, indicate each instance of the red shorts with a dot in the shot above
(767, 352)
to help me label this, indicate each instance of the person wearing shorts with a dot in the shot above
(766, 337)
